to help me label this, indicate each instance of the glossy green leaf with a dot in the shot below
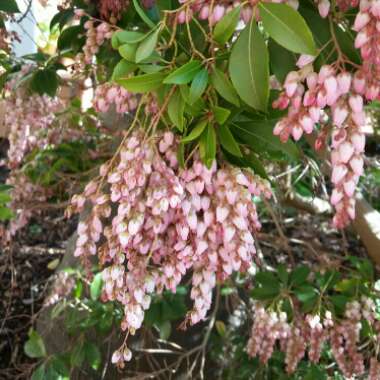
(5, 198)
(227, 140)
(5, 213)
(181, 155)
(176, 108)
(249, 67)
(141, 13)
(305, 293)
(224, 87)
(142, 83)
(195, 132)
(259, 136)
(92, 355)
(128, 52)
(126, 37)
(221, 114)
(61, 18)
(282, 61)
(225, 28)
(39, 373)
(299, 275)
(44, 82)
(184, 74)
(59, 366)
(77, 355)
(68, 36)
(207, 146)
(268, 279)
(287, 27)
(34, 347)
(265, 293)
(256, 165)
(9, 6)
(122, 69)
(198, 86)
(149, 69)
(165, 329)
(147, 46)
(96, 286)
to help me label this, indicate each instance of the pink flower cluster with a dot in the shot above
(310, 334)
(108, 94)
(168, 221)
(29, 120)
(347, 149)
(95, 37)
(306, 95)
(343, 5)
(214, 11)
(24, 195)
(367, 24)
(112, 9)
(31, 123)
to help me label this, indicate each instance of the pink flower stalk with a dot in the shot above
(167, 222)
(113, 94)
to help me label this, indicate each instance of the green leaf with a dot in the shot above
(92, 355)
(142, 14)
(256, 165)
(44, 82)
(221, 114)
(268, 280)
(259, 136)
(198, 86)
(6, 213)
(195, 132)
(299, 275)
(39, 373)
(77, 355)
(165, 329)
(68, 36)
(207, 145)
(96, 286)
(126, 37)
(128, 52)
(61, 18)
(5, 198)
(9, 6)
(224, 87)
(220, 328)
(59, 366)
(149, 68)
(181, 155)
(147, 46)
(264, 294)
(122, 69)
(142, 83)
(226, 27)
(339, 301)
(282, 274)
(282, 61)
(227, 141)
(287, 27)
(315, 373)
(249, 67)
(184, 74)
(34, 347)
(176, 108)
(305, 293)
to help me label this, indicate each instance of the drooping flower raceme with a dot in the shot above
(308, 333)
(168, 221)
